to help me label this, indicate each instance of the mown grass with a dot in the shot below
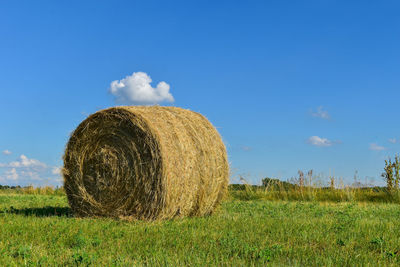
(40, 230)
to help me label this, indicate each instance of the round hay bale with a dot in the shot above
(146, 163)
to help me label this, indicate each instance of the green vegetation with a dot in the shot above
(282, 191)
(46, 190)
(392, 174)
(38, 229)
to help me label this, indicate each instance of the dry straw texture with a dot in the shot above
(145, 163)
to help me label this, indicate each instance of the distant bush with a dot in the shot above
(9, 187)
(276, 184)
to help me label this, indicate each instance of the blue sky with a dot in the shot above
(289, 84)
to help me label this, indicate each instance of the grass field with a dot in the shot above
(39, 230)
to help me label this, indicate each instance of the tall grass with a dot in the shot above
(310, 187)
(277, 190)
(309, 193)
(30, 190)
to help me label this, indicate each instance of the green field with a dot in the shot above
(39, 230)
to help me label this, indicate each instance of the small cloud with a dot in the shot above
(7, 152)
(318, 141)
(136, 89)
(31, 175)
(56, 170)
(12, 174)
(376, 147)
(321, 113)
(25, 162)
(392, 140)
(246, 148)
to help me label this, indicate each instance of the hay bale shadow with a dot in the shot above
(40, 212)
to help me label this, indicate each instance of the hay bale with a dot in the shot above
(145, 163)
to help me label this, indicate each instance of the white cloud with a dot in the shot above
(25, 171)
(31, 175)
(376, 147)
(321, 113)
(25, 162)
(392, 140)
(136, 89)
(6, 152)
(318, 141)
(11, 174)
(56, 170)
